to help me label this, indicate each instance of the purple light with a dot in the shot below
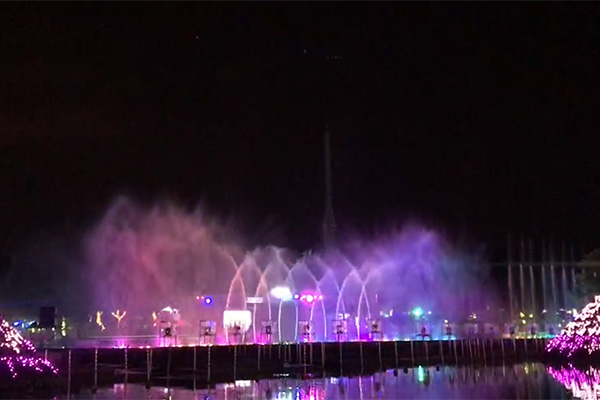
(583, 384)
(580, 335)
(23, 352)
(308, 297)
(208, 300)
(38, 364)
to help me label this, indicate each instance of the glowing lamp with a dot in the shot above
(254, 300)
(119, 316)
(241, 318)
(296, 296)
(282, 293)
(208, 300)
(417, 312)
(310, 298)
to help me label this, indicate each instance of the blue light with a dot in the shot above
(417, 312)
(208, 300)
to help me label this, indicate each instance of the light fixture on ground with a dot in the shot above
(254, 300)
(282, 293)
(417, 312)
(207, 300)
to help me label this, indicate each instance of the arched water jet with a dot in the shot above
(164, 255)
(352, 278)
(304, 280)
(373, 277)
(275, 275)
(262, 291)
(251, 276)
(329, 287)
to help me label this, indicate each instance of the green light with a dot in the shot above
(417, 312)
(420, 374)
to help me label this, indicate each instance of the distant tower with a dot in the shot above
(329, 225)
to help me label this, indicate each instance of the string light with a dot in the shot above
(21, 352)
(11, 339)
(580, 335)
(37, 364)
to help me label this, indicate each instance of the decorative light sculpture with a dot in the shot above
(580, 335)
(282, 293)
(99, 320)
(119, 316)
(18, 354)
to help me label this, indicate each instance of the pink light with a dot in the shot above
(580, 335)
(23, 352)
(38, 364)
(309, 297)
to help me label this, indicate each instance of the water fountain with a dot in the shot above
(340, 328)
(375, 330)
(165, 258)
(269, 328)
(208, 330)
(167, 326)
(306, 331)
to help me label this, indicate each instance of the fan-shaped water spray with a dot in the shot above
(144, 259)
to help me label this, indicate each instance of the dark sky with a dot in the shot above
(478, 116)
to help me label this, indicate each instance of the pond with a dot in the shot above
(520, 381)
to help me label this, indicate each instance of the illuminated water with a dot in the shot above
(524, 381)
(141, 260)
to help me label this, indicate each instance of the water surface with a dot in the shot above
(523, 381)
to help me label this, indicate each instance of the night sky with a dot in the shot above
(478, 118)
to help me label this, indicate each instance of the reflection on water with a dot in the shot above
(583, 384)
(523, 381)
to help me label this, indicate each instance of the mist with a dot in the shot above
(142, 258)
